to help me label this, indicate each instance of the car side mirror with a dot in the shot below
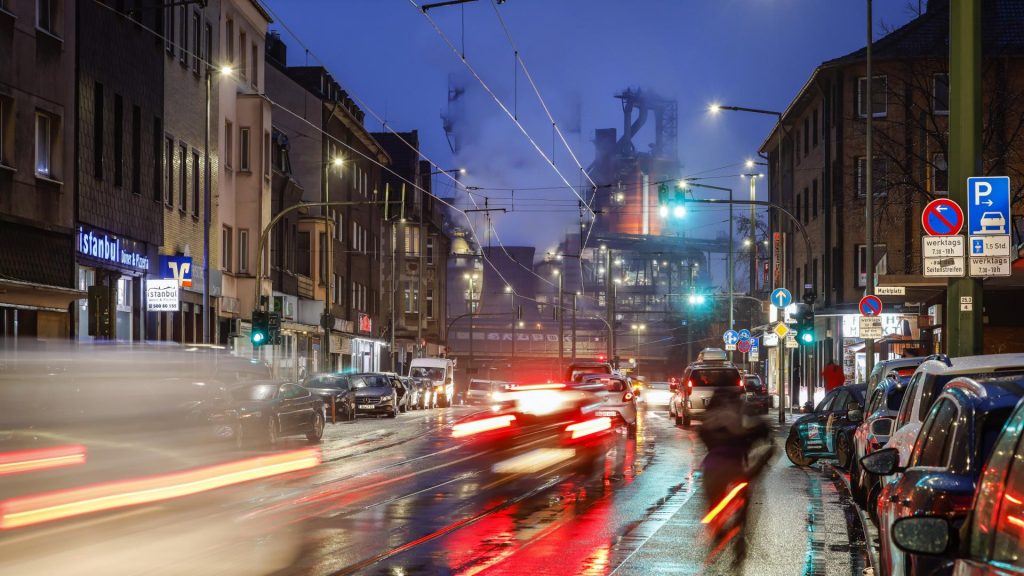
(882, 427)
(855, 415)
(923, 535)
(883, 462)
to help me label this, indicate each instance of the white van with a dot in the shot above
(441, 374)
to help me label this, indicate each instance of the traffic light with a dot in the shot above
(260, 334)
(803, 314)
(671, 201)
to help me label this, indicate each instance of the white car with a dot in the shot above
(992, 222)
(924, 388)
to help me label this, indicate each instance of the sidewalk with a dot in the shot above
(801, 523)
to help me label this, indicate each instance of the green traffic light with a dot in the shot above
(807, 337)
(258, 337)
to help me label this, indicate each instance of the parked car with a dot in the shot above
(700, 381)
(616, 391)
(334, 387)
(426, 396)
(988, 540)
(756, 396)
(945, 464)
(414, 390)
(484, 391)
(402, 392)
(926, 385)
(827, 432)
(576, 370)
(375, 394)
(883, 404)
(657, 394)
(269, 410)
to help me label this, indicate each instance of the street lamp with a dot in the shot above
(452, 171)
(327, 320)
(638, 328)
(223, 70)
(561, 320)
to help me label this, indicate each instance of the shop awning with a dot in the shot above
(38, 296)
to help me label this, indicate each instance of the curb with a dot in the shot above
(865, 524)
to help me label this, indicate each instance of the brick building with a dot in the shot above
(37, 174)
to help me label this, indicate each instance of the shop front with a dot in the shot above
(112, 271)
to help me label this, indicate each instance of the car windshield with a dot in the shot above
(257, 392)
(431, 373)
(326, 381)
(371, 381)
(716, 377)
(894, 399)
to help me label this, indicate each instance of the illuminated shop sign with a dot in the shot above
(110, 248)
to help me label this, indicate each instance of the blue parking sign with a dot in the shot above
(988, 206)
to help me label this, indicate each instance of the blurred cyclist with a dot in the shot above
(729, 471)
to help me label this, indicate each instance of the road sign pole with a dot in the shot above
(964, 327)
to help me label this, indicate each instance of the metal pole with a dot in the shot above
(326, 344)
(574, 327)
(471, 311)
(753, 236)
(206, 212)
(515, 322)
(869, 208)
(964, 326)
(782, 266)
(561, 325)
(731, 271)
(609, 288)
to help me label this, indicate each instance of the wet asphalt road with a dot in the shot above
(402, 497)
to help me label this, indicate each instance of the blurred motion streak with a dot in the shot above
(534, 461)
(588, 427)
(725, 502)
(485, 425)
(21, 461)
(527, 387)
(48, 506)
(1015, 521)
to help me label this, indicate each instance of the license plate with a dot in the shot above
(610, 413)
(367, 406)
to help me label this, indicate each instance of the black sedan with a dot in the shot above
(375, 394)
(269, 410)
(828, 431)
(338, 395)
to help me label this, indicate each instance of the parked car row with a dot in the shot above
(937, 462)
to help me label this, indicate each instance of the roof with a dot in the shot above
(975, 364)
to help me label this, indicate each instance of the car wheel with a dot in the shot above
(317, 432)
(402, 408)
(843, 451)
(272, 431)
(795, 453)
(393, 413)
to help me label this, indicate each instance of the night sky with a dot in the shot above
(755, 53)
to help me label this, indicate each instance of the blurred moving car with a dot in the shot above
(484, 391)
(699, 383)
(988, 540)
(375, 394)
(955, 441)
(827, 432)
(333, 387)
(879, 416)
(268, 411)
(756, 397)
(618, 399)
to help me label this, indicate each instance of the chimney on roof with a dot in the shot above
(276, 49)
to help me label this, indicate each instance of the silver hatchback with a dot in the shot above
(692, 395)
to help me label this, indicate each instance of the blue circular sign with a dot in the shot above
(744, 334)
(730, 337)
(781, 298)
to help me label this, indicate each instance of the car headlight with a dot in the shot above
(385, 398)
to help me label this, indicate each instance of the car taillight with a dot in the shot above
(689, 384)
(588, 427)
(740, 382)
(627, 397)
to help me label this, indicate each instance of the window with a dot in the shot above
(225, 248)
(939, 175)
(183, 34)
(195, 183)
(412, 241)
(302, 264)
(807, 207)
(197, 41)
(940, 93)
(229, 138)
(243, 250)
(937, 433)
(412, 296)
(879, 89)
(169, 171)
(354, 300)
(118, 140)
(797, 206)
(430, 250)
(229, 40)
(339, 230)
(136, 150)
(881, 266)
(243, 149)
(338, 289)
(814, 198)
(44, 146)
(183, 178)
(807, 135)
(208, 53)
(879, 168)
(430, 303)
(158, 159)
(243, 66)
(255, 65)
(814, 134)
(169, 29)
(44, 15)
(97, 130)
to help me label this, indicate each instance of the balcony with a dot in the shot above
(305, 287)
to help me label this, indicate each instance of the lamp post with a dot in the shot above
(207, 200)
(561, 322)
(752, 237)
(515, 319)
(638, 328)
(327, 319)
(472, 278)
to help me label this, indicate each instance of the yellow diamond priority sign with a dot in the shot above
(781, 329)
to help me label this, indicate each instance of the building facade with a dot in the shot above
(38, 289)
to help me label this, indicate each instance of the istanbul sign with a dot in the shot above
(111, 249)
